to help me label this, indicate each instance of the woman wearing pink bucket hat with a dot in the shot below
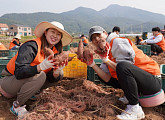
(30, 69)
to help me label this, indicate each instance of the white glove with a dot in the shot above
(46, 64)
(144, 41)
(57, 71)
(17, 46)
(106, 59)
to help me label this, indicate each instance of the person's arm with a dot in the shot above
(156, 40)
(26, 55)
(82, 39)
(103, 75)
(104, 67)
(122, 51)
(51, 78)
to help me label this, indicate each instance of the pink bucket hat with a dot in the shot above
(153, 100)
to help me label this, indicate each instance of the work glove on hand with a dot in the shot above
(90, 62)
(104, 55)
(61, 67)
(47, 63)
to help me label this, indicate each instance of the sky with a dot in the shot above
(59, 6)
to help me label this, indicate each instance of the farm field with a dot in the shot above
(78, 99)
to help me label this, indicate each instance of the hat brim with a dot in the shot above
(94, 33)
(18, 37)
(41, 27)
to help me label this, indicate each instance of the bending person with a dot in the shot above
(131, 70)
(30, 69)
(157, 41)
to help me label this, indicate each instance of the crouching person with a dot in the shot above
(137, 74)
(30, 69)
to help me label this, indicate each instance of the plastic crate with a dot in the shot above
(162, 71)
(145, 48)
(66, 48)
(2, 66)
(3, 63)
(163, 82)
(74, 45)
(12, 53)
(4, 53)
(75, 68)
(4, 60)
(92, 75)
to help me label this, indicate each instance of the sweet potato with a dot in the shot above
(100, 51)
(48, 51)
(80, 50)
(70, 58)
(102, 44)
(86, 55)
(78, 107)
(62, 56)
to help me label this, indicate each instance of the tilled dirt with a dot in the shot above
(77, 99)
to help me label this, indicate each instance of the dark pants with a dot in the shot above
(85, 44)
(156, 48)
(112, 82)
(135, 81)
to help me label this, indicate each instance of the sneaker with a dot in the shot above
(124, 100)
(19, 111)
(134, 112)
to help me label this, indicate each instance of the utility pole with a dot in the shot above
(141, 28)
(131, 28)
(123, 29)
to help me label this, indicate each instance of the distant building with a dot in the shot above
(23, 30)
(3, 28)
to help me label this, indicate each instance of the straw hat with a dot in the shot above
(18, 36)
(41, 27)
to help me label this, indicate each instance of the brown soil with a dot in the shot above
(58, 103)
(78, 99)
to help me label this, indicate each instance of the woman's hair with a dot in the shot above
(44, 43)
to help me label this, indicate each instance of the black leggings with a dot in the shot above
(156, 48)
(112, 82)
(135, 81)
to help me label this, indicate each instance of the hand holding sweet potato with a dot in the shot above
(80, 50)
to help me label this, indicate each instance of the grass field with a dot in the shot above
(7, 39)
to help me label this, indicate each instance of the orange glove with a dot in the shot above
(90, 61)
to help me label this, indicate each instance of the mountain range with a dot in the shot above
(80, 20)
